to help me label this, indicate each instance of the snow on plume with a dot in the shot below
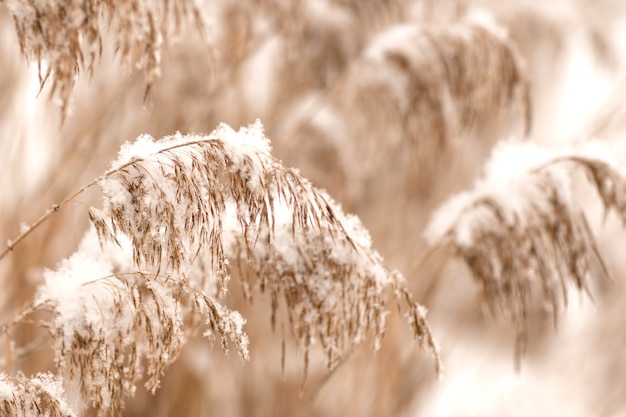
(504, 179)
(101, 309)
(192, 204)
(27, 397)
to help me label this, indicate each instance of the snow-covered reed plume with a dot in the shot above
(172, 197)
(41, 395)
(114, 326)
(176, 213)
(521, 231)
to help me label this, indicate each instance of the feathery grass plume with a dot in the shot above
(424, 85)
(449, 77)
(180, 198)
(335, 286)
(41, 395)
(519, 230)
(65, 37)
(114, 326)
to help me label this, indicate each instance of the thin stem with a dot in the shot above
(53, 209)
(424, 256)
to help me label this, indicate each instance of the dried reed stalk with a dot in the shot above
(525, 232)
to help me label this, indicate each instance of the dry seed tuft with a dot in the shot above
(422, 86)
(414, 91)
(524, 233)
(335, 286)
(190, 199)
(41, 395)
(66, 37)
(113, 329)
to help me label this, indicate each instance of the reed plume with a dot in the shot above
(523, 234)
(66, 37)
(41, 395)
(176, 212)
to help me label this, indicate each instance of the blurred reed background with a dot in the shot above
(392, 107)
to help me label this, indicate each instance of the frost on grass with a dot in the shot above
(114, 326)
(520, 230)
(188, 199)
(41, 395)
(66, 37)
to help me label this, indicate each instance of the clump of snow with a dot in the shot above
(247, 141)
(143, 147)
(63, 283)
(514, 178)
(249, 151)
(505, 179)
